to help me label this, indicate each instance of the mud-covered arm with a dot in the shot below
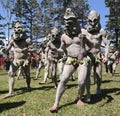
(85, 38)
(46, 51)
(29, 46)
(6, 50)
(105, 41)
(62, 48)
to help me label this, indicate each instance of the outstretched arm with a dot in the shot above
(6, 50)
(105, 41)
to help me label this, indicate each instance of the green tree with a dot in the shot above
(54, 10)
(29, 12)
(2, 33)
(81, 9)
(8, 5)
(47, 16)
(113, 24)
(42, 15)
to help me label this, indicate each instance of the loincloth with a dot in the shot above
(75, 61)
(95, 58)
(21, 62)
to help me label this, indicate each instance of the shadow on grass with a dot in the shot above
(67, 104)
(96, 98)
(7, 106)
(104, 81)
(3, 92)
(116, 76)
(107, 81)
(23, 90)
(71, 85)
(45, 87)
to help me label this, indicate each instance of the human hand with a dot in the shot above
(105, 60)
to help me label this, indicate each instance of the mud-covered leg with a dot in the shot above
(72, 78)
(61, 86)
(19, 73)
(110, 66)
(60, 68)
(94, 74)
(46, 73)
(54, 71)
(11, 81)
(82, 75)
(114, 68)
(99, 77)
(38, 70)
(106, 67)
(88, 95)
(37, 73)
(27, 74)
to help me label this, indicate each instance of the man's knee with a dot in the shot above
(63, 80)
(11, 74)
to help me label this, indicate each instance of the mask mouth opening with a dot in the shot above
(95, 28)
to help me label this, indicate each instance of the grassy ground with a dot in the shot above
(38, 101)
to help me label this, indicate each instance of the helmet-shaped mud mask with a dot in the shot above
(55, 34)
(112, 47)
(18, 31)
(93, 21)
(72, 26)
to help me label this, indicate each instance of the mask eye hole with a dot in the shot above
(53, 35)
(95, 21)
(90, 21)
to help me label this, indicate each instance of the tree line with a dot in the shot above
(40, 16)
(113, 24)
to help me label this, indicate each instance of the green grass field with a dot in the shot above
(38, 101)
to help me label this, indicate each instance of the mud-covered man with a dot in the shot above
(19, 41)
(72, 43)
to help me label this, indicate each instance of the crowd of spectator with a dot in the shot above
(34, 59)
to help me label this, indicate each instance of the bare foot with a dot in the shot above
(8, 95)
(53, 109)
(80, 103)
(42, 82)
(35, 78)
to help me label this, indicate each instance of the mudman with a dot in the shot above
(95, 36)
(51, 55)
(112, 59)
(73, 45)
(20, 42)
(42, 61)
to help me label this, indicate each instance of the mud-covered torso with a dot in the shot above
(53, 50)
(95, 39)
(19, 52)
(74, 46)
